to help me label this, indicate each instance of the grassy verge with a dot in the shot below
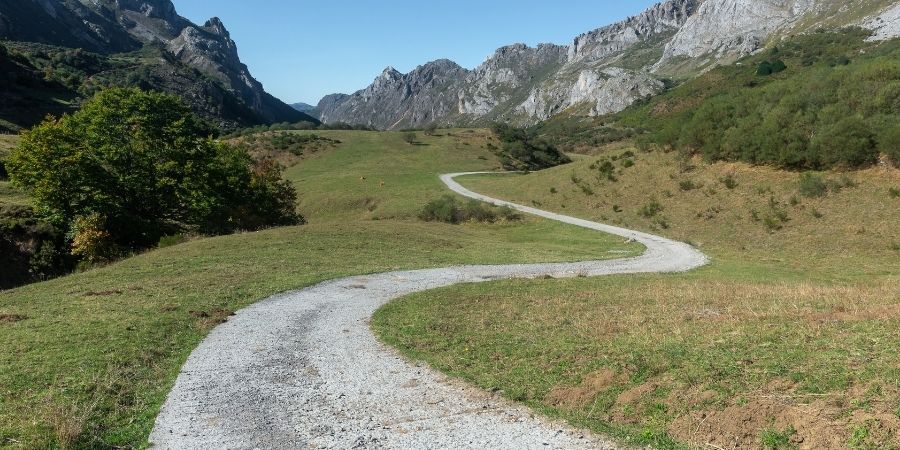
(89, 358)
(786, 340)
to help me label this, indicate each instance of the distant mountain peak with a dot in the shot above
(390, 72)
(601, 71)
(215, 26)
(157, 9)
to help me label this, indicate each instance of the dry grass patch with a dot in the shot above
(652, 359)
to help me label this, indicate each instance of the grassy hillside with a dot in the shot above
(89, 358)
(820, 100)
(786, 339)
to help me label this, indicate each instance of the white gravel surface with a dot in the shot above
(304, 370)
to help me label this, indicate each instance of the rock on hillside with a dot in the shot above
(66, 23)
(211, 50)
(604, 70)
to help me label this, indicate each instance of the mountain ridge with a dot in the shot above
(110, 27)
(602, 71)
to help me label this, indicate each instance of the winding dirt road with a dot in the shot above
(304, 370)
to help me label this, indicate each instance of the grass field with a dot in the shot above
(89, 358)
(787, 340)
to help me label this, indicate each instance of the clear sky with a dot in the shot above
(303, 49)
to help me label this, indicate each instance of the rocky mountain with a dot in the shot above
(602, 71)
(394, 100)
(109, 27)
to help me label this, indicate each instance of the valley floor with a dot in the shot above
(787, 340)
(89, 358)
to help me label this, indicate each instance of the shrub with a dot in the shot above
(607, 170)
(448, 209)
(651, 209)
(729, 181)
(848, 143)
(894, 192)
(91, 241)
(812, 185)
(431, 129)
(410, 138)
(133, 166)
(522, 150)
(687, 185)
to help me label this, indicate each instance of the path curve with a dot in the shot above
(304, 370)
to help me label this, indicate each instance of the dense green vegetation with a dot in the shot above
(131, 167)
(823, 100)
(522, 149)
(449, 209)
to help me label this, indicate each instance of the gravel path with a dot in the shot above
(303, 369)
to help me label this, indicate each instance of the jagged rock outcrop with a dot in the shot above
(506, 76)
(211, 50)
(115, 26)
(602, 91)
(728, 29)
(67, 23)
(885, 25)
(147, 20)
(395, 100)
(657, 20)
(605, 70)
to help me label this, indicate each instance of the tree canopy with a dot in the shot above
(134, 166)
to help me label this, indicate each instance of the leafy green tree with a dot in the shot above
(132, 166)
(522, 150)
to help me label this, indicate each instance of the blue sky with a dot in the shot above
(303, 49)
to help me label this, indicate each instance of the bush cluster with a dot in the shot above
(131, 167)
(449, 209)
(522, 150)
(293, 143)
